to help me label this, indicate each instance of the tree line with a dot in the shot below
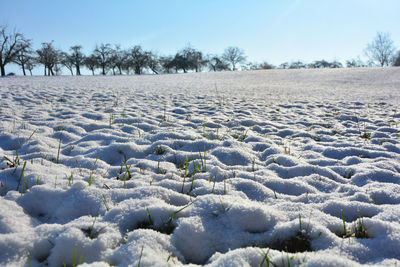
(108, 59)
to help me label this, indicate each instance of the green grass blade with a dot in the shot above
(74, 260)
(150, 219)
(140, 258)
(21, 175)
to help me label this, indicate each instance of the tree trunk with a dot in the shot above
(72, 74)
(45, 70)
(78, 70)
(23, 69)
(30, 71)
(103, 70)
(3, 71)
(93, 72)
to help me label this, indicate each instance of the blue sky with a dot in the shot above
(267, 30)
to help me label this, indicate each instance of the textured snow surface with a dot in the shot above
(298, 167)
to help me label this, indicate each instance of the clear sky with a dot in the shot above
(268, 30)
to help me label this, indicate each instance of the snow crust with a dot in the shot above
(292, 167)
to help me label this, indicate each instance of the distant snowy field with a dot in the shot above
(279, 167)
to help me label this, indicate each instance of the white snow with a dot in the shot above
(217, 169)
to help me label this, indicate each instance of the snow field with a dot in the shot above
(220, 169)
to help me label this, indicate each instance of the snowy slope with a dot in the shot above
(218, 169)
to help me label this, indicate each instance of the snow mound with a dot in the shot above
(279, 167)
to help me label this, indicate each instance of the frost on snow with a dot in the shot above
(283, 167)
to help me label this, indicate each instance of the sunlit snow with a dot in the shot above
(298, 167)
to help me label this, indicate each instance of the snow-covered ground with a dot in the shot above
(281, 167)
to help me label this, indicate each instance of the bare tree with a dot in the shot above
(336, 64)
(117, 59)
(57, 66)
(260, 66)
(216, 63)
(66, 61)
(153, 62)
(91, 62)
(297, 65)
(266, 66)
(193, 58)
(198, 60)
(284, 65)
(187, 59)
(103, 55)
(10, 44)
(184, 59)
(24, 54)
(30, 64)
(381, 50)
(49, 57)
(234, 55)
(138, 59)
(127, 65)
(355, 63)
(77, 58)
(166, 63)
(180, 62)
(321, 64)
